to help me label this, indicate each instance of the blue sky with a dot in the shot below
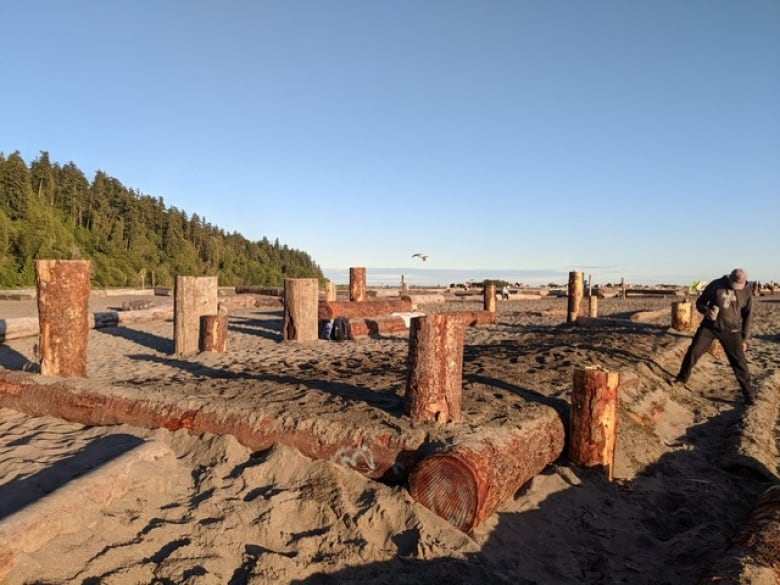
(621, 138)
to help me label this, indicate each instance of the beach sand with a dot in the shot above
(124, 505)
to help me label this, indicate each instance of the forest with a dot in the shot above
(52, 211)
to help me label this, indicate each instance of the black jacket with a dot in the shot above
(736, 307)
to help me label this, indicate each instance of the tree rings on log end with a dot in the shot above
(447, 486)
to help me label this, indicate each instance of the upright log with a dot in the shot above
(468, 481)
(330, 291)
(63, 315)
(357, 284)
(193, 297)
(593, 306)
(489, 301)
(300, 309)
(576, 293)
(434, 381)
(681, 315)
(594, 418)
(213, 333)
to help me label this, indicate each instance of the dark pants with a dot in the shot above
(732, 345)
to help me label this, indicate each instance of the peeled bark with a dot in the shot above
(300, 309)
(594, 418)
(489, 302)
(434, 381)
(379, 452)
(193, 297)
(351, 310)
(681, 315)
(467, 482)
(576, 294)
(63, 305)
(213, 333)
(357, 285)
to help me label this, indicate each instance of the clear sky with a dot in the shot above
(621, 138)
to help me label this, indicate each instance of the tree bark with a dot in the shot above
(378, 453)
(332, 309)
(576, 293)
(381, 325)
(681, 315)
(63, 305)
(435, 377)
(213, 333)
(300, 309)
(466, 483)
(193, 297)
(357, 284)
(489, 301)
(594, 418)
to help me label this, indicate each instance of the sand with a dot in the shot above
(126, 505)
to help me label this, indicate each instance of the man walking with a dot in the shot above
(727, 305)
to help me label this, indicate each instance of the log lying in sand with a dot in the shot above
(352, 310)
(475, 318)
(754, 556)
(375, 452)
(20, 327)
(467, 482)
(62, 511)
(383, 325)
(753, 445)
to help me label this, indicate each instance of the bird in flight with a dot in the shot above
(421, 256)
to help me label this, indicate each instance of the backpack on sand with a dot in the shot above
(341, 330)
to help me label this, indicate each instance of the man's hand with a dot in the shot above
(744, 346)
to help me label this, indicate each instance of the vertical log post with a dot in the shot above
(330, 291)
(576, 292)
(213, 333)
(489, 300)
(435, 377)
(301, 304)
(63, 316)
(357, 284)
(593, 306)
(681, 315)
(193, 297)
(623, 288)
(404, 286)
(594, 418)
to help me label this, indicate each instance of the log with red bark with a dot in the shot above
(435, 378)
(357, 284)
(376, 452)
(594, 417)
(213, 333)
(474, 318)
(468, 481)
(63, 309)
(383, 325)
(352, 310)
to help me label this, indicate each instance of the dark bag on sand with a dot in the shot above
(341, 330)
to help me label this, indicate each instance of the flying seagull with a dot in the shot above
(421, 256)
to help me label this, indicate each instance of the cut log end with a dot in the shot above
(446, 486)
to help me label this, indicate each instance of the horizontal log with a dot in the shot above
(351, 310)
(467, 482)
(260, 290)
(20, 327)
(378, 453)
(475, 318)
(382, 325)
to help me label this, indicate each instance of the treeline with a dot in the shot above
(51, 211)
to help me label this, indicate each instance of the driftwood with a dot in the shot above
(383, 325)
(351, 310)
(357, 284)
(435, 377)
(63, 308)
(193, 296)
(576, 294)
(379, 452)
(300, 309)
(468, 481)
(213, 333)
